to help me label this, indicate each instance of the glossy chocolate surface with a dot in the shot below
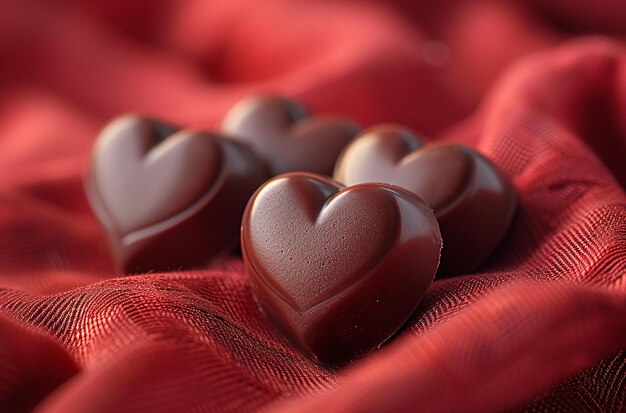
(286, 137)
(338, 270)
(169, 199)
(473, 202)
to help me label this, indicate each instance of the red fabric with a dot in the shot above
(539, 86)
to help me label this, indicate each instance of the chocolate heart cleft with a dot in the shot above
(286, 136)
(167, 198)
(338, 270)
(473, 202)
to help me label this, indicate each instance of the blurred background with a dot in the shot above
(67, 67)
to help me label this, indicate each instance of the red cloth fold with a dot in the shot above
(542, 324)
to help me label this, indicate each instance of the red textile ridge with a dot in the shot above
(541, 326)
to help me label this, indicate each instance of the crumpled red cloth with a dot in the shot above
(538, 86)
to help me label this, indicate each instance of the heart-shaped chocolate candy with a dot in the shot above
(169, 199)
(338, 270)
(284, 135)
(473, 202)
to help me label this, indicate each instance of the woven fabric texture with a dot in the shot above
(538, 86)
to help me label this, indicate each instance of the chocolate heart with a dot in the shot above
(473, 202)
(282, 132)
(169, 199)
(338, 270)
